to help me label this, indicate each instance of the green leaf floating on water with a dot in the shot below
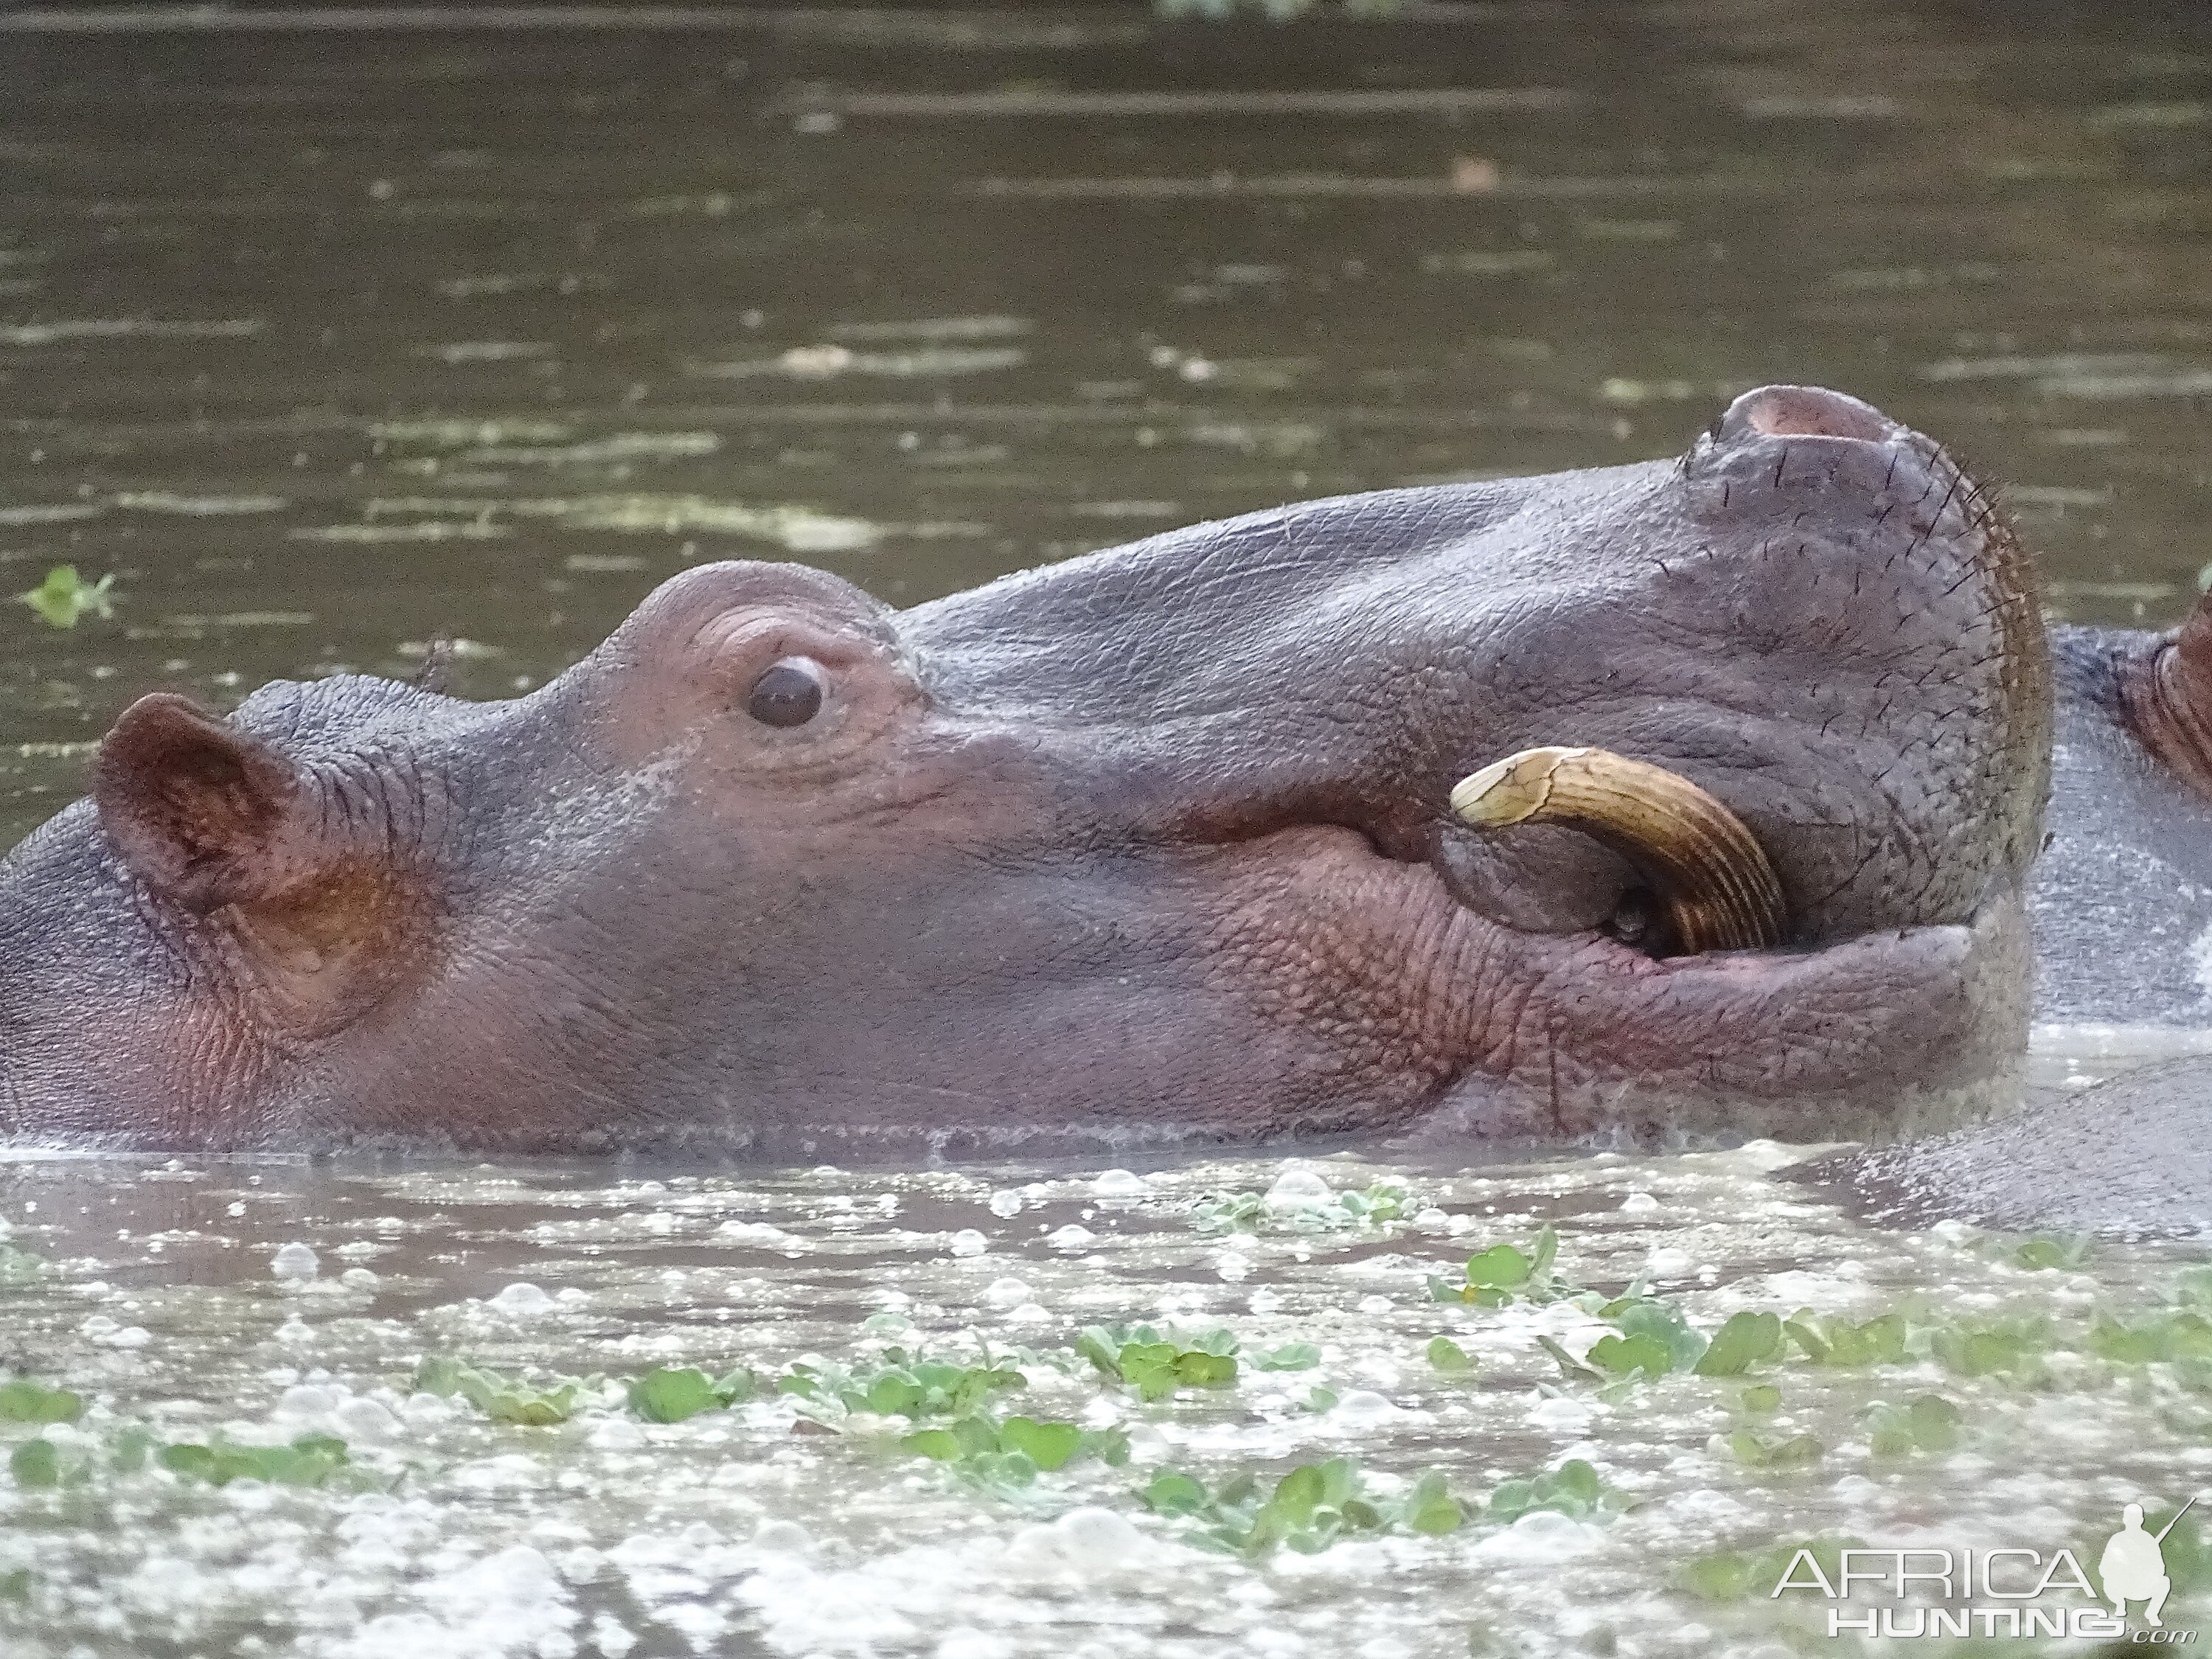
(1838, 1342)
(27, 1402)
(309, 1461)
(1573, 1489)
(2069, 1251)
(1155, 1362)
(1747, 1339)
(1762, 1451)
(1447, 1357)
(505, 1400)
(35, 1463)
(1307, 1509)
(1012, 1453)
(1504, 1272)
(1929, 1423)
(63, 598)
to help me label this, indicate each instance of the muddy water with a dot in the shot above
(328, 342)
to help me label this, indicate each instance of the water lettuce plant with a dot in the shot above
(1928, 1424)
(1504, 1272)
(1307, 1509)
(1012, 1452)
(62, 599)
(1380, 1202)
(1155, 1362)
(506, 1399)
(25, 1401)
(1575, 1489)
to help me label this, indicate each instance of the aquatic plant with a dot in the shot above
(1504, 1272)
(1155, 1362)
(1012, 1453)
(1573, 1489)
(507, 1400)
(64, 596)
(1307, 1509)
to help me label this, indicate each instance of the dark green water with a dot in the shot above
(329, 343)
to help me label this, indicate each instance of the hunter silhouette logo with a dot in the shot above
(2006, 1591)
(2133, 1565)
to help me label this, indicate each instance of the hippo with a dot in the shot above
(1699, 797)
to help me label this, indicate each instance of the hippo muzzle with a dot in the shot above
(1154, 844)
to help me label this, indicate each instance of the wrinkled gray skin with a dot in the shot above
(1146, 846)
(2121, 903)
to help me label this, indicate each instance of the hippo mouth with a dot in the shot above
(1643, 1032)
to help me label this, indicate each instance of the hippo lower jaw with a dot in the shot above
(1872, 1036)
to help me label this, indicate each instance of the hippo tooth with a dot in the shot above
(1718, 887)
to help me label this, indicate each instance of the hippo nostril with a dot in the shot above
(1802, 411)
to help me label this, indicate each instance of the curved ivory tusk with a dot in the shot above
(1719, 890)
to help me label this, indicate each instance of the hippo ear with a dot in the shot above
(198, 809)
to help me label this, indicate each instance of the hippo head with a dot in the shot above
(1154, 843)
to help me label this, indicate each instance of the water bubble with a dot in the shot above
(1363, 1406)
(522, 1301)
(307, 1400)
(1638, 1204)
(1007, 1202)
(1120, 1183)
(1098, 1539)
(1071, 1237)
(786, 1536)
(295, 1262)
(969, 1241)
(1005, 1292)
(1298, 1189)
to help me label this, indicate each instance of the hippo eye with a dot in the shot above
(788, 693)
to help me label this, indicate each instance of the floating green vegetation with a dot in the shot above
(2179, 1335)
(1307, 1510)
(63, 598)
(1929, 1424)
(902, 1385)
(2013, 1348)
(1879, 1341)
(675, 1394)
(1447, 1357)
(1010, 1454)
(1318, 1211)
(1654, 1338)
(1574, 1488)
(309, 1461)
(2069, 1252)
(507, 1400)
(23, 1401)
(1157, 1363)
(1774, 1451)
(1504, 1273)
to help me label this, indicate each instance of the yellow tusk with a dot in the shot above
(1719, 890)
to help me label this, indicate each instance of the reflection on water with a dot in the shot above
(332, 343)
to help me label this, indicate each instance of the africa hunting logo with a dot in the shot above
(1999, 1592)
